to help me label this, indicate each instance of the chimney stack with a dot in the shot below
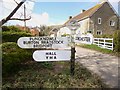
(82, 10)
(70, 17)
(103, 1)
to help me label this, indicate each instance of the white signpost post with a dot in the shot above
(43, 42)
(52, 55)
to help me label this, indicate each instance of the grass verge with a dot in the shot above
(95, 47)
(35, 75)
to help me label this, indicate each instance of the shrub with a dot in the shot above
(13, 57)
(10, 28)
(13, 29)
(117, 41)
(5, 28)
(48, 65)
(13, 36)
(103, 36)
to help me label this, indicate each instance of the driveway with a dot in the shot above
(106, 66)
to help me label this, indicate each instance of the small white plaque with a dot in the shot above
(85, 39)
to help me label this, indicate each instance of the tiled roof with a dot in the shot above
(86, 13)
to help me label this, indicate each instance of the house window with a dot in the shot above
(112, 23)
(89, 31)
(99, 20)
(99, 32)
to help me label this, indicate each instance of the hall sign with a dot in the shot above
(43, 42)
(52, 55)
(85, 39)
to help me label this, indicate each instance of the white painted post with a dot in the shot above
(112, 43)
(98, 42)
(104, 43)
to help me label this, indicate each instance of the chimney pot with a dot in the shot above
(82, 10)
(70, 17)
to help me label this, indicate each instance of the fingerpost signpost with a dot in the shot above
(65, 54)
(73, 25)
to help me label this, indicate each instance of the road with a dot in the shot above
(104, 65)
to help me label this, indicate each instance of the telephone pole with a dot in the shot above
(24, 17)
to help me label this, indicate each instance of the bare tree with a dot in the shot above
(9, 17)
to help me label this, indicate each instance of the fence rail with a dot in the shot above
(104, 43)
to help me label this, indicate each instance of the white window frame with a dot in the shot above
(112, 23)
(99, 31)
(99, 21)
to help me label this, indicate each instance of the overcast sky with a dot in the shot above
(48, 13)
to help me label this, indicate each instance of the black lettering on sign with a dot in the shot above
(51, 57)
(31, 39)
(50, 53)
(30, 42)
(46, 57)
(47, 53)
(55, 57)
(87, 39)
(61, 42)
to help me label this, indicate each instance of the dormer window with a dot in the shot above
(112, 23)
(99, 20)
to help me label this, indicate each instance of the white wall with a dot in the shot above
(63, 31)
(84, 26)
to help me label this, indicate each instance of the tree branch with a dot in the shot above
(16, 2)
(3, 21)
(20, 19)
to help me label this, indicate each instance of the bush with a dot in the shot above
(103, 36)
(13, 36)
(13, 57)
(11, 28)
(117, 41)
(5, 28)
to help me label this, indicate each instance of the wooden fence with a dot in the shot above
(104, 43)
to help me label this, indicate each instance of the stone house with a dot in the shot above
(54, 30)
(34, 32)
(98, 20)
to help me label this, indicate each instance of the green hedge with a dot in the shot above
(13, 36)
(12, 33)
(13, 56)
(103, 36)
(12, 29)
(117, 41)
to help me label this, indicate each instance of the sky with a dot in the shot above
(48, 12)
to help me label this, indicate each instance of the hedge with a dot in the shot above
(103, 36)
(117, 41)
(13, 56)
(12, 29)
(13, 36)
